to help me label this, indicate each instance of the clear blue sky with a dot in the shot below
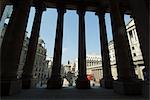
(70, 37)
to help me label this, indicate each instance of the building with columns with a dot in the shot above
(4, 21)
(126, 82)
(40, 64)
(41, 69)
(135, 49)
(94, 64)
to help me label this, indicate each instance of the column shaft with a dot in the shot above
(56, 81)
(125, 83)
(82, 81)
(120, 43)
(32, 47)
(140, 13)
(82, 47)
(132, 70)
(12, 45)
(107, 76)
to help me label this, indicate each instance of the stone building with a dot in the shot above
(4, 21)
(94, 66)
(69, 72)
(41, 64)
(94, 62)
(23, 56)
(135, 49)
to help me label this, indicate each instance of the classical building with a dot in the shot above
(94, 65)
(23, 56)
(70, 67)
(135, 49)
(126, 82)
(112, 59)
(4, 21)
(41, 69)
(69, 71)
(40, 64)
(50, 63)
(94, 61)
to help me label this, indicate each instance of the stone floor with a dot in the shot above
(96, 93)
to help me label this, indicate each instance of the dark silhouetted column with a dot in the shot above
(140, 13)
(125, 84)
(11, 47)
(132, 69)
(56, 81)
(107, 81)
(82, 81)
(27, 80)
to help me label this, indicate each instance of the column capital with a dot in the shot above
(100, 12)
(61, 10)
(81, 11)
(40, 5)
(17, 3)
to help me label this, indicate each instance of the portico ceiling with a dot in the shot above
(89, 5)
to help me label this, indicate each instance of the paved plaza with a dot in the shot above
(95, 93)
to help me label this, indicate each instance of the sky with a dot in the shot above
(70, 32)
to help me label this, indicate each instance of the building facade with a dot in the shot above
(41, 69)
(40, 64)
(69, 74)
(135, 49)
(94, 61)
(4, 21)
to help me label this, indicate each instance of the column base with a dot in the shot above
(128, 87)
(10, 87)
(28, 83)
(106, 83)
(55, 83)
(82, 83)
(145, 90)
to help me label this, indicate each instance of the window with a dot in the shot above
(134, 54)
(132, 48)
(130, 33)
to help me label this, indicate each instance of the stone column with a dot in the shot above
(132, 66)
(27, 80)
(140, 13)
(82, 81)
(125, 83)
(11, 47)
(107, 81)
(56, 81)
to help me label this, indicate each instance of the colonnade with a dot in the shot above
(14, 36)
